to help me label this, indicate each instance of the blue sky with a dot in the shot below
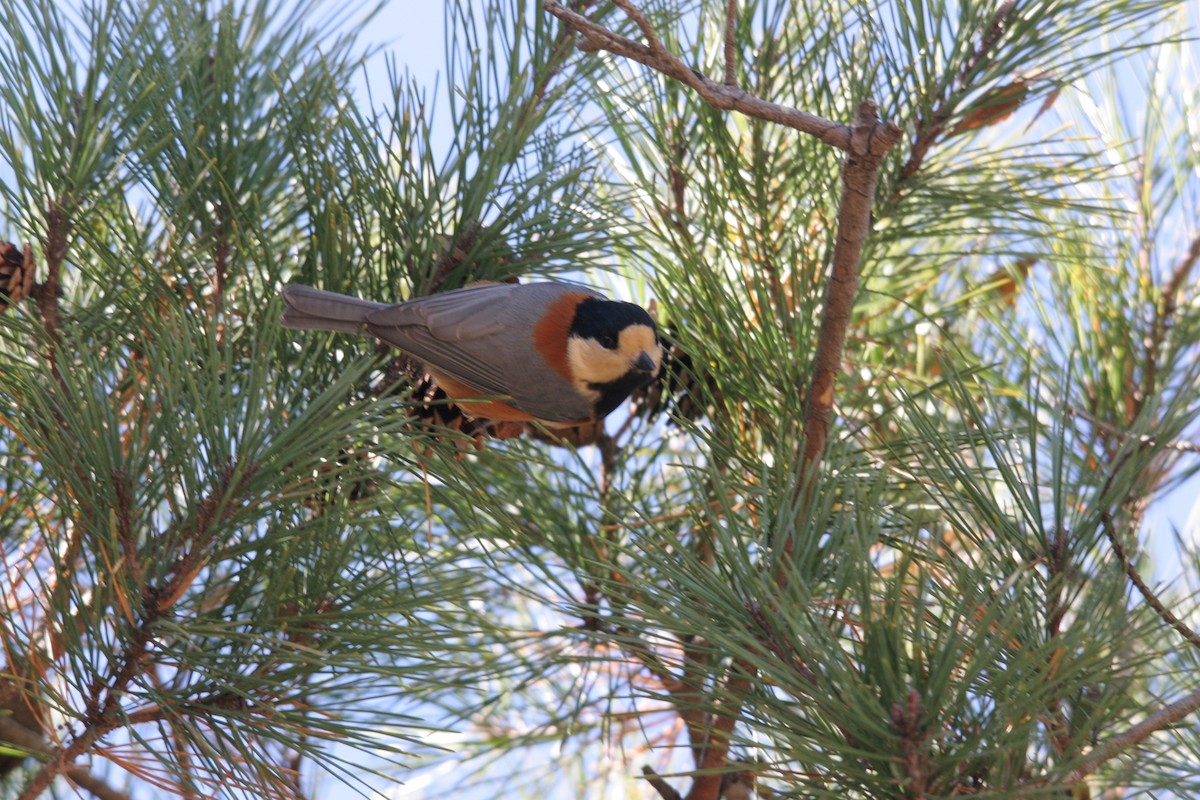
(412, 32)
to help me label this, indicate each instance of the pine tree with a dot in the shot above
(886, 527)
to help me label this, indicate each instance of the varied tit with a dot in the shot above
(548, 352)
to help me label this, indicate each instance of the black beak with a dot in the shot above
(644, 363)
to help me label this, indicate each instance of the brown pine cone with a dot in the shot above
(16, 274)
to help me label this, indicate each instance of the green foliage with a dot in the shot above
(234, 562)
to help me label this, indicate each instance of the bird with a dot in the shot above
(549, 352)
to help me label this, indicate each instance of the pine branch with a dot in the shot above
(1147, 593)
(866, 142)
(14, 733)
(738, 682)
(930, 130)
(1056, 565)
(102, 713)
(871, 141)
(1176, 445)
(594, 37)
(1131, 571)
(731, 52)
(48, 291)
(1164, 314)
(1114, 746)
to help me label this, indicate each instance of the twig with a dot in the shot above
(14, 733)
(46, 293)
(1169, 714)
(220, 278)
(1135, 578)
(689, 698)
(1115, 745)
(707, 785)
(643, 23)
(1056, 565)
(1131, 571)
(102, 712)
(665, 790)
(727, 98)
(731, 11)
(908, 719)
(1163, 315)
(930, 130)
(1177, 445)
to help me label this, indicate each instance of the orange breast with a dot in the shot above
(484, 409)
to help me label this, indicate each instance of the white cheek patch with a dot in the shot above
(591, 362)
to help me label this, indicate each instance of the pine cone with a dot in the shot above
(16, 274)
(434, 408)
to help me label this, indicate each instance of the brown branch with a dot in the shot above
(908, 719)
(1179, 275)
(1115, 745)
(1163, 315)
(1170, 714)
(643, 23)
(47, 293)
(1177, 445)
(929, 130)
(1131, 571)
(594, 36)
(866, 143)
(664, 789)
(707, 785)
(221, 254)
(102, 709)
(16, 734)
(1056, 563)
(689, 697)
(860, 172)
(731, 11)
(1148, 594)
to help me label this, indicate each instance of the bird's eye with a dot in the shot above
(608, 341)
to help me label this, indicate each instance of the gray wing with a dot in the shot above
(450, 331)
(482, 336)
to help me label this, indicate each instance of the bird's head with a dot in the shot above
(612, 349)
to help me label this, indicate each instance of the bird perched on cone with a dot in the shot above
(549, 352)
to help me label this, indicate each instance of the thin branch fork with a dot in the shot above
(866, 142)
(1167, 715)
(1148, 594)
(726, 96)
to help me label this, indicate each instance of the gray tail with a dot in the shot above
(314, 309)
